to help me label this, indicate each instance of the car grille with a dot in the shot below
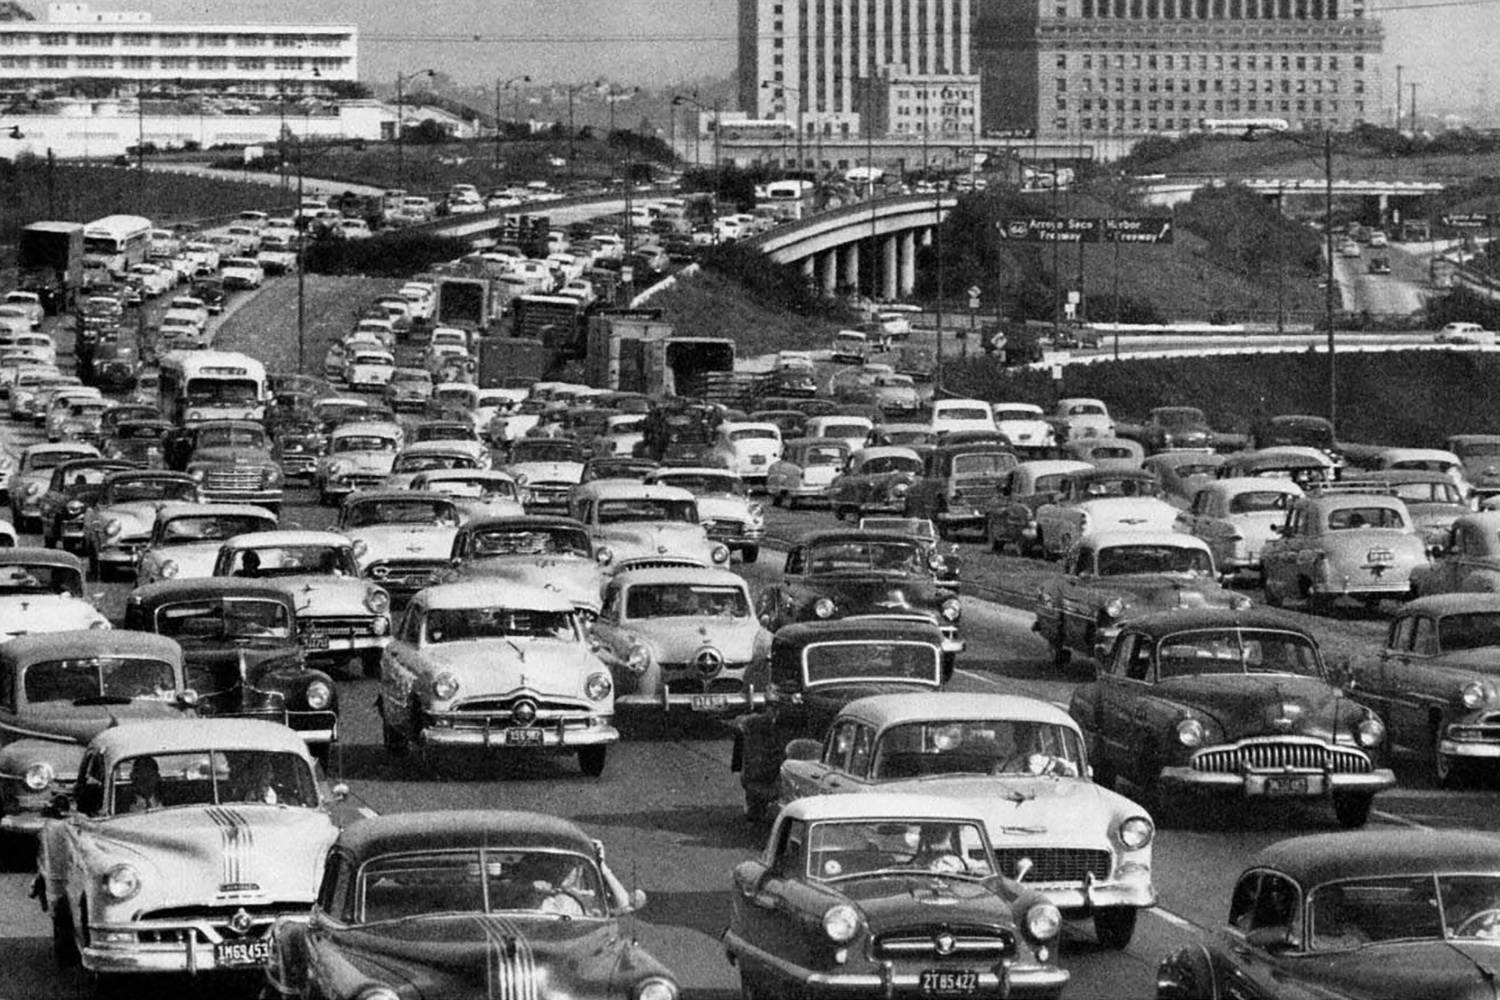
(973, 491)
(1280, 755)
(713, 675)
(339, 625)
(1055, 864)
(724, 528)
(967, 942)
(297, 464)
(659, 562)
(1484, 730)
(407, 574)
(549, 493)
(496, 714)
(237, 479)
(262, 916)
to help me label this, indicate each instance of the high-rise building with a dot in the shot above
(1122, 69)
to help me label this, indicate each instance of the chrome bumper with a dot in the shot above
(1254, 784)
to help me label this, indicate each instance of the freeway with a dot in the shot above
(670, 810)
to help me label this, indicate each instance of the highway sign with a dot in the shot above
(1138, 230)
(1468, 220)
(1065, 230)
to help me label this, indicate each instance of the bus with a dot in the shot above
(212, 385)
(788, 199)
(1246, 127)
(117, 242)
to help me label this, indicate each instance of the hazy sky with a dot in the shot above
(655, 43)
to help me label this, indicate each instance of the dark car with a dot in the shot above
(211, 292)
(617, 467)
(239, 640)
(813, 671)
(1297, 429)
(1234, 703)
(428, 906)
(874, 481)
(75, 487)
(959, 481)
(1368, 915)
(142, 443)
(1176, 428)
(890, 895)
(839, 573)
(296, 444)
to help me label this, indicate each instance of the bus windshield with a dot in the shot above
(219, 390)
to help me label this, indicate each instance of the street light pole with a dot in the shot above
(778, 91)
(401, 79)
(1333, 383)
(516, 113)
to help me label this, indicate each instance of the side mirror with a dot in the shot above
(804, 749)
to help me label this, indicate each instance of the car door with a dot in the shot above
(1124, 685)
(764, 909)
(832, 771)
(1263, 909)
(1404, 686)
(1278, 558)
(1076, 596)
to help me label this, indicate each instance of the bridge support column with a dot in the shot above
(808, 273)
(851, 268)
(889, 250)
(828, 271)
(908, 257)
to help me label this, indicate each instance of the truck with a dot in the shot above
(555, 320)
(510, 361)
(635, 350)
(49, 262)
(468, 303)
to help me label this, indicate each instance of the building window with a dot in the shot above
(96, 62)
(1086, 123)
(250, 65)
(15, 62)
(53, 39)
(54, 62)
(249, 41)
(1062, 84)
(96, 41)
(287, 65)
(1135, 85)
(1359, 86)
(1359, 63)
(1333, 63)
(1060, 123)
(174, 41)
(176, 62)
(1062, 104)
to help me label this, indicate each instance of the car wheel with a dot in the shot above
(1449, 771)
(1114, 926)
(1353, 811)
(591, 760)
(64, 944)
(749, 554)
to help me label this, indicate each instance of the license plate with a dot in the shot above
(1284, 785)
(709, 702)
(1379, 557)
(943, 983)
(523, 737)
(238, 953)
(315, 640)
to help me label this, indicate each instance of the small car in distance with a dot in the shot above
(1237, 518)
(1465, 334)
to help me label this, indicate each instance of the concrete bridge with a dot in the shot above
(1168, 191)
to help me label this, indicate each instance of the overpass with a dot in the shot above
(877, 237)
(1169, 191)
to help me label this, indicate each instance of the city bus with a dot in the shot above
(788, 199)
(117, 242)
(212, 385)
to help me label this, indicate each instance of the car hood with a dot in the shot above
(327, 595)
(1252, 704)
(674, 538)
(47, 613)
(407, 541)
(1146, 513)
(64, 721)
(194, 560)
(678, 639)
(1165, 590)
(232, 456)
(135, 518)
(579, 580)
(486, 956)
(1406, 969)
(1021, 811)
(877, 593)
(475, 507)
(712, 508)
(894, 901)
(201, 852)
(363, 461)
(499, 666)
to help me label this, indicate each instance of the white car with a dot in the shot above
(41, 343)
(620, 434)
(204, 255)
(849, 347)
(186, 538)
(30, 303)
(242, 272)
(402, 539)
(636, 525)
(476, 492)
(429, 456)
(457, 433)
(748, 448)
(33, 474)
(42, 590)
(1465, 333)
(1024, 425)
(154, 280)
(422, 299)
(1101, 500)
(359, 456)
(278, 252)
(190, 306)
(950, 415)
(1081, 417)
(1237, 517)
(369, 370)
(730, 516)
(180, 332)
(546, 469)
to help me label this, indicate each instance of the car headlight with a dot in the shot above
(113, 527)
(603, 557)
(377, 993)
(38, 776)
(444, 686)
(1114, 607)
(522, 479)
(1370, 732)
(319, 695)
(195, 414)
(33, 489)
(841, 923)
(656, 988)
(199, 475)
(756, 511)
(952, 610)
(359, 546)
(122, 882)
(638, 659)
(720, 554)
(1190, 733)
(377, 601)
(900, 489)
(168, 569)
(824, 608)
(1043, 921)
(598, 687)
(1472, 694)
(380, 626)
(1136, 832)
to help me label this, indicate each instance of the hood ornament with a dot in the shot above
(944, 943)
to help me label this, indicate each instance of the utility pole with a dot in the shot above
(1398, 96)
(401, 80)
(1414, 109)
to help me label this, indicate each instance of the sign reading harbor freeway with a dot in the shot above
(1073, 230)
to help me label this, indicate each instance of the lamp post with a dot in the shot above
(516, 110)
(573, 132)
(611, 96)
(778, 91)
(401, 81)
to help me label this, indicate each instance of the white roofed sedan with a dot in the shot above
(186, 537)
(476, 492)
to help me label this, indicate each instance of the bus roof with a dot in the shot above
(205, 361)
(114, 225)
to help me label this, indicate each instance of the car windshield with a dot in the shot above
(293, 560)
(543, 450)
(470, 488)
(492, 879)
(920, 527)
(963, 413)
(821, 455)
(446, 432)
(860, 556)
(880, 465)
(978, 746)
(1422, 465)
(427, 462)
(210, 527)
(1184, 416)
(1434, 492)
(1086, 410)
(98, 678)
(421, 377)
(134, 490)
(879, 847)
(673, 600)
(1124, 560)
(467, 624)
(230, 437)
(405, 511)
(871, 659)
(1017, 415)
(1469, 630)
(1124, 487)
(363, 442)
(845, 430)
(1237, 651)
(212, 777)
(982, 464)
(753, 434)
(1352, 913)
(39, 578)
(701, 483)
(529, 541)
(1348, 518)
(52, 459)
(226, 618)
(647, 509)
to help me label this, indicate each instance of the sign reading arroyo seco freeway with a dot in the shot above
(1074, 230)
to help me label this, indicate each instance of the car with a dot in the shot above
(185, 538)
(1020, 763)
(853, 430)
(1374, 913)
(634, 524)
(1343, 543)
(531, 550)
(1110, 577)
(1308, 466)
(402, 914)
(1465, 334)
(295, 444)
(408, 389)
(794, 376)
(430, 456)
(369, 370)
(241, 653)
(1109, 453)
(1480, 455)
(747, 448)
(454, 433)
(806, 469)
(1025, 427)
(844, 881)
(1176, 428)
(1236, 704)
(33, 474)
(1431, 497)
(117, 526)
(76, 417)
(1379, 265)
(948, 566)
(1470, 561)
(844, 572)
(680, 637)
(1237, 517)
(241, 272)
(1078, 416)
(402, 538)
(341, 615)
(1183, 473)
(359, 456)
(74, 487)
(546, 469)
(727, 513)
(957, 482)
(168, 819)
(874, 480)
(495, 665)
(1422, 460)
(232, 461)
(1099, 500)
(1297, 430)
(42, 591)
(278, 253)
(60, 690)
(812, 671)
(29, 303)
(1010, 516)
(849, 347)
(139, 442)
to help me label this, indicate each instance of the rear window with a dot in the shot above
(1258, 501)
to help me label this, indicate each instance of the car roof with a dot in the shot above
(1455, 603)
(481, 593)
(171, 735)
(820, 536)
(286, 536)
(1172, 459)
(521, 521)
(1318, 858)
(1176, 539)
(30, 555)
(615, 489)
(444, 446)
(89, 643)
(183, 508)
(367, 428)
(886, 451)
(1234, 485)
(1396, 476)
(379, 495)
(671, 471)
(1336, 500)
(895, 806)
(890, 709)
(681, 574)
(407, 832)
